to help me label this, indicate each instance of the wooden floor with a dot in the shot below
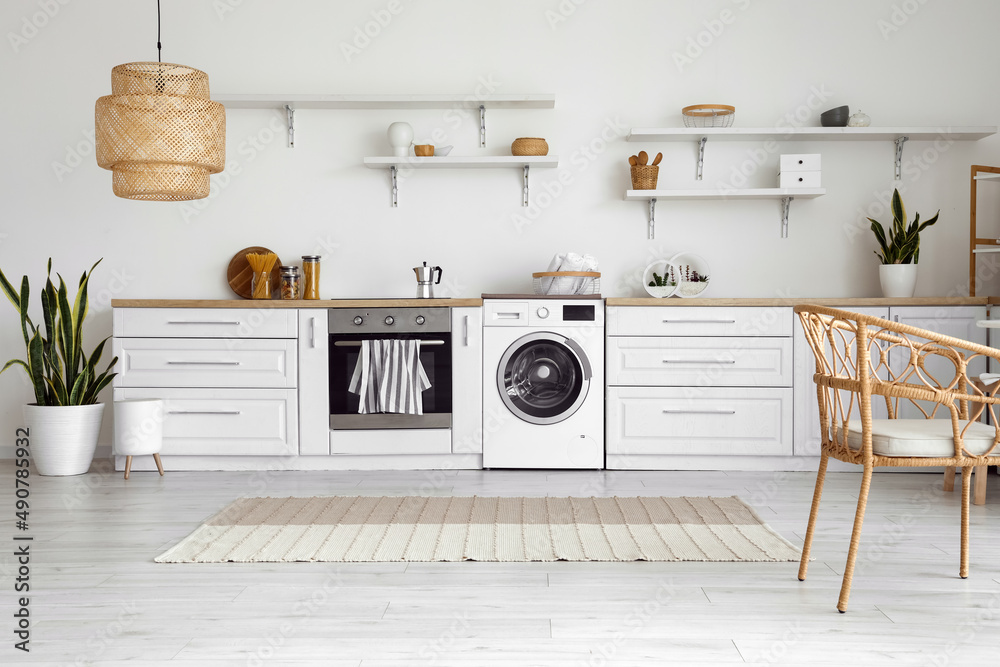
(97, 597)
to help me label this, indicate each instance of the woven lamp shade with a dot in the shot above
(159, 133)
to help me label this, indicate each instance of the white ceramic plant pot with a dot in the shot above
(898, 280)
(63, 438)
(138, 427)
(400, 137)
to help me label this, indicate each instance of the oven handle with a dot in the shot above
(357, 343)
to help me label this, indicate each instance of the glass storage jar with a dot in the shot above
(310, 276)
(290, 286)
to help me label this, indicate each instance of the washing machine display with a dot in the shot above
(543, 378)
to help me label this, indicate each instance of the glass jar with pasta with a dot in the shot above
(310, 276)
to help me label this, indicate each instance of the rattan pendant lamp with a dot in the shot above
(158, 132)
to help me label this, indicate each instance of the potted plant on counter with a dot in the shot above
(901, 251)
(64, 422)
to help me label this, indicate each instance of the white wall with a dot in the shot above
(609, 64)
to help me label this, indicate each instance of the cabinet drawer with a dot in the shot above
(205, 323)
(800, 179)
(679, 421)
(216, 422)
(699, 321)
(157, 362)
(700, 362)
(800, 162)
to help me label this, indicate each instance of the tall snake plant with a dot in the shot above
(903, 244)
(59, 370)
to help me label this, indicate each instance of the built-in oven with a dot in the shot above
(430, 327)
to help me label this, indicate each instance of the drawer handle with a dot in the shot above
(204, 363)
(700, 412)
(237, 322)
(699, 321)
(699, 361)
(204, 412)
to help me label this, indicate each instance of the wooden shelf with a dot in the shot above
(269, 101)
(978, 173)
(971, 133)
(987, 177)
(758, 193)
(463, 162)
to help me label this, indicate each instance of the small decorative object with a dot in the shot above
(692, 274)
(400, 138)
(901, 251)
(860, 119)
(159, 132)
(442, 151)
(310, 271)
(836, 117)
(64, 422)
(708, 115)
(261, 263)
(290, 286)
(657, 285)
(529, 146)
(139, 430)
(240, 275)
(423, 150)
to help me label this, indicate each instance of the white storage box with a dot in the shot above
(799, 179)
(800, 162)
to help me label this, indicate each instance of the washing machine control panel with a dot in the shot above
(542, 312)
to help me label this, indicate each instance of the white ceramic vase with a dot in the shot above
(63, 438)
(898, 280)
(138, 427)
(400, 138)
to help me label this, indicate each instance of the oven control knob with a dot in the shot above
(542, 312)
(358, 320)
(389, 320)
(420, 319)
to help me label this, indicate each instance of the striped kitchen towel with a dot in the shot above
(389, 377)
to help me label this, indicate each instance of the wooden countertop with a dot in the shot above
(832, 302)
(302, 303)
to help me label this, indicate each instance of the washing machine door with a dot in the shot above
(544, 377)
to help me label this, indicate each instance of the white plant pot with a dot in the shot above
(63, 438)
(898, 280)
(138, 427)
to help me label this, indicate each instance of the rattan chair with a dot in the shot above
(852, 354)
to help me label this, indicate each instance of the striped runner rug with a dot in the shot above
(422, 528)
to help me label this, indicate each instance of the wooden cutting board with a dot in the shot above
(240, 275)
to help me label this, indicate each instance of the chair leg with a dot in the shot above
(949, 478)
(979, 489)
(159, 464)
(852, 554)
(817, 494)
(128, 465)
(963, 570)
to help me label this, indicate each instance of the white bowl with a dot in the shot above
(441, 151)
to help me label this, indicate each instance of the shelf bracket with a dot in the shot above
(786, 204)
(652, 218)
(524, 188)
(899, 156)
(701, 158)
(290, 114)
(395, 186)
(482, 126)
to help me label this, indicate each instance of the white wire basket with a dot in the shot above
(708, 115)
(566, 283)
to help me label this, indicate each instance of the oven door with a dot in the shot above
(435, 356)
(544, 377)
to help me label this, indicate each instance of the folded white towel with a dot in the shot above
(389, 377)
(567, 285)
(554, 265)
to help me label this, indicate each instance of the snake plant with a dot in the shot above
(59, 370)
(903, 244)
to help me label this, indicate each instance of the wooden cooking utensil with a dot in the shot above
(643, 158)
(656, 160)
(632, 160)
(240, 275)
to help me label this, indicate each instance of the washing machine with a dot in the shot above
(543, 383)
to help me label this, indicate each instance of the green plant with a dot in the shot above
(903, 245)
(60, 372)
(660, 281)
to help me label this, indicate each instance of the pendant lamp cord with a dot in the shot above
(159, 46)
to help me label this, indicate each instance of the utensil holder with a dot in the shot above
(644, 177)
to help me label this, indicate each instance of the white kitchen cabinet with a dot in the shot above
(314, 382)
(467, 383)
(231, 323)
(199, 362)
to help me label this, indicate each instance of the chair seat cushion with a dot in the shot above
(921, 437)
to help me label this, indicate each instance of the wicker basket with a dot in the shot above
(529, 146)
(644, 177)
(708, 115)
(565, 283)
